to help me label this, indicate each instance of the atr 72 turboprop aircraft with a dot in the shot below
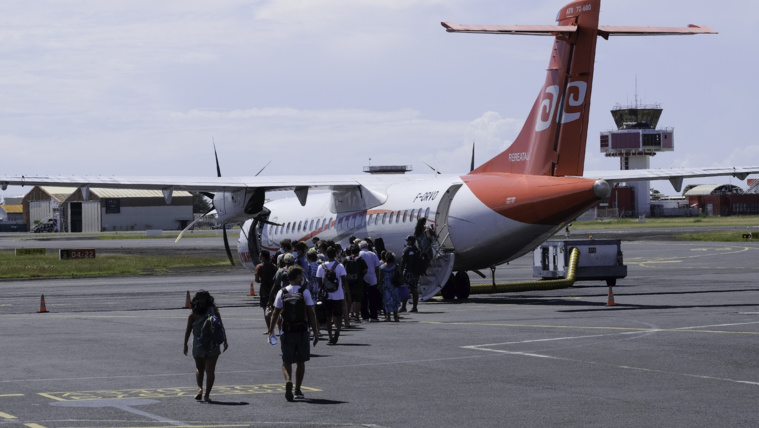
(498, 212)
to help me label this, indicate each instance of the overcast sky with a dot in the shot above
(139, 87)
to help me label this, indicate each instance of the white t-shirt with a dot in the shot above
(372, 262)
(293, 289)
(340, 271)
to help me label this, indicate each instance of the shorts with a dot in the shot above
(335, 307)
(295, 347)
(357, 291)
(412, 281)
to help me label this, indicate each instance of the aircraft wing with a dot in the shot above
(674, 175)
(193, 184)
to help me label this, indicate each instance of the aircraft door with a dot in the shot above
(441, 219)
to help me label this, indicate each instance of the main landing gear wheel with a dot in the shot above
(463, 286)
(449, 289)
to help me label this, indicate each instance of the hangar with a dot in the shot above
(107, 209)
(722, 200)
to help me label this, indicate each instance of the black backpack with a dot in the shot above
(413, 261)
(212, 332)
(293, 311)
(352, 270)
(330, 283)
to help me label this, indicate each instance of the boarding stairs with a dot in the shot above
(438, 272)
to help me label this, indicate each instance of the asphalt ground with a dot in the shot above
(677, 349)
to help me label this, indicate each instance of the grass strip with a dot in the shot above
(633, 223)
(39, 266)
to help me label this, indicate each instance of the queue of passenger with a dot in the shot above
(304, 290)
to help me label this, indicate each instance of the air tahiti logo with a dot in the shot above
(575, 97)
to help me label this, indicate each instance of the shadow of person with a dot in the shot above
(227, 403)
(321, 401)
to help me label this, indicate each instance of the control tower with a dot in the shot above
(634, 142)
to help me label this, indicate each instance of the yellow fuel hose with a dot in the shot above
(551, 284)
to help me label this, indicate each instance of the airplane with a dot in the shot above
(496, 213)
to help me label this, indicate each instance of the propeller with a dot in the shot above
(211, 196)
(213, 208)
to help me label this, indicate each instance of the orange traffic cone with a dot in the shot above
(252, 289)
(43, 309)
(187, 301)
(610, 301)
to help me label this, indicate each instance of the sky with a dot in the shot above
(137, 87)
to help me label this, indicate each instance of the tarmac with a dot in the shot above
(678, 348)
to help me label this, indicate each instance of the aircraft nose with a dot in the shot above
(601, 189)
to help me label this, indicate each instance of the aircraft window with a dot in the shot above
(398, 217)
(384, 217)
(287, 230)
(329, 223)
(352, 222)
(371, 217)
(311, 227)
(419, 214)
(390, 220)
(405, 215)
(376, 219)
(427, 213)
(300, 223)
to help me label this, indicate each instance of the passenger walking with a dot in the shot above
(264, 275)
(296, 307)
(390, 280)
(204, 350)
(411, 264)
(355, 269)
(373, 296)
(331, 276)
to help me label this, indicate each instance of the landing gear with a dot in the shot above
(449, 289)
(458, 286)
(463, 287)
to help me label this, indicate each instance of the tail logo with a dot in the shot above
(547, 107)
(576, 91)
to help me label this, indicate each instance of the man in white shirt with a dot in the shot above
(374, 298)
(295, 337)
(334, 298)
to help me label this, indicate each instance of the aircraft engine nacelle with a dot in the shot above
(239, 205)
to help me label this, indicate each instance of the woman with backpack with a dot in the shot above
(391, 280)
(206, 346)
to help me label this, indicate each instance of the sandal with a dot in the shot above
(199, 396)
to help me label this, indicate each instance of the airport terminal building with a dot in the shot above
(106, 209)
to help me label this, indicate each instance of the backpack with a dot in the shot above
(414, 262)
(293, 310)
(330, 283)
(352, 271)
(395, 279)
(212, 332)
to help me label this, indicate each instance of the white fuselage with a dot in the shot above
(478, 236)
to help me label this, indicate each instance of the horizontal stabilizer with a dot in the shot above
(606, 31)
(531, 30)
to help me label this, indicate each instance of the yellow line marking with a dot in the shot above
(168, 392)
(679, 330)
(7, 416)
(34, 426)
(11, 395)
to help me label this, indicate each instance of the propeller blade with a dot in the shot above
(262, 169)
(226, 245)
(431, 167)
(218, 168)
(189, 226)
